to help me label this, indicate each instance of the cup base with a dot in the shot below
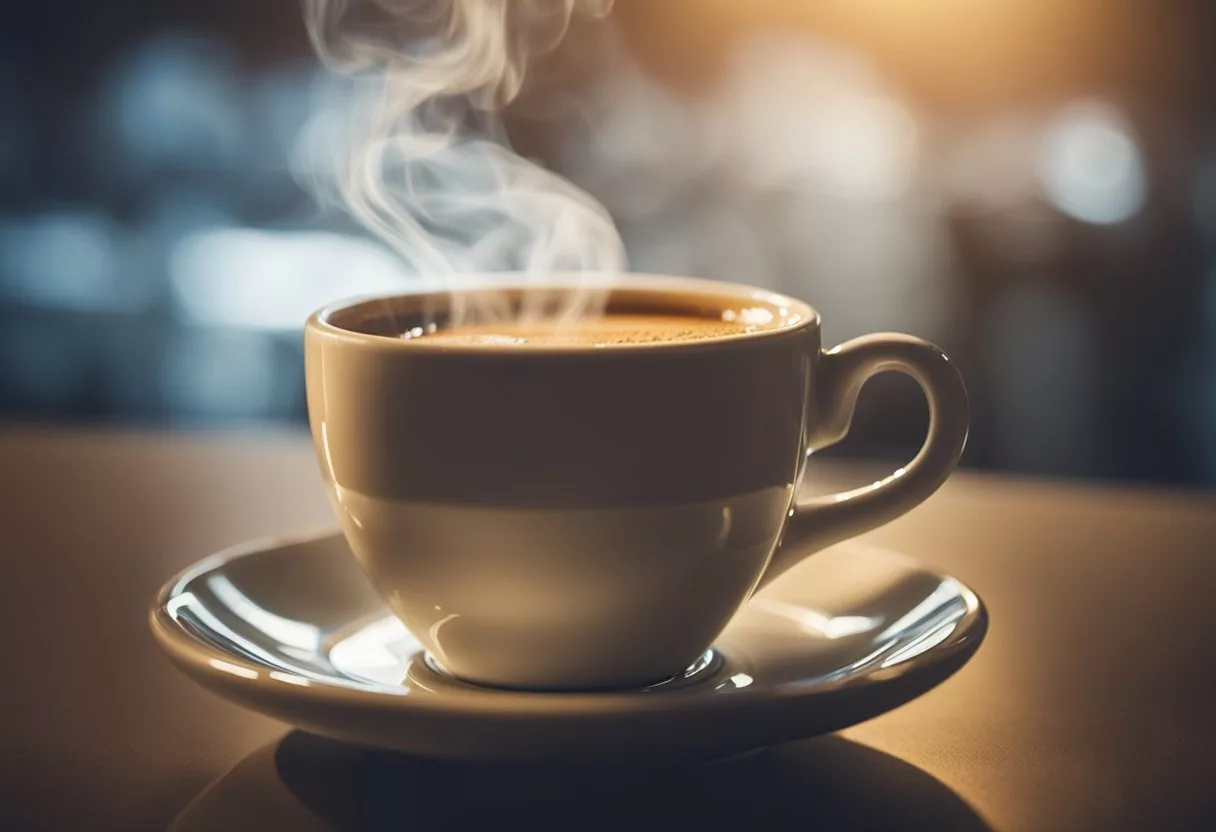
(705, 667)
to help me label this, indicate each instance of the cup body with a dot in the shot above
(563, 518)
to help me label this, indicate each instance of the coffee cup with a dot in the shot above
(585, 507)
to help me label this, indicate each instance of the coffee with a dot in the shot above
(608, 331)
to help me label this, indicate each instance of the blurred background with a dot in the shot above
(1030, 183)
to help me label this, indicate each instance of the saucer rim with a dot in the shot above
(193, 656)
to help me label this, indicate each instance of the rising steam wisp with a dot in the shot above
(428, 168)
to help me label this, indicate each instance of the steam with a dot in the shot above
(429, 169)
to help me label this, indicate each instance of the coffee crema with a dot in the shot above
(608, 331)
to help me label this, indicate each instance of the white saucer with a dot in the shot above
(291, 628)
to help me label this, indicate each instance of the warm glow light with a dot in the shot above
(798, 114)
(981, 51)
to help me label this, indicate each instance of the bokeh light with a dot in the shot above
(175, 102)
(69, 259)
(273, 280)
(799, 114)
(1090, 165)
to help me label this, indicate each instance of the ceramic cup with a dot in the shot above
(591, 518)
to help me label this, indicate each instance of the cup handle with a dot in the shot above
(839, 378)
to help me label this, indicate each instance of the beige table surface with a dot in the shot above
(1092, 704)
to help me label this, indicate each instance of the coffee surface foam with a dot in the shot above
(608, 331)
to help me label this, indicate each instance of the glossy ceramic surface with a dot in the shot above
(579, 518)
(292, 629)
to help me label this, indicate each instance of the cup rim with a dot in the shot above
(805, 316)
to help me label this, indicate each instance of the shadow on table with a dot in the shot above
(308, 783)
